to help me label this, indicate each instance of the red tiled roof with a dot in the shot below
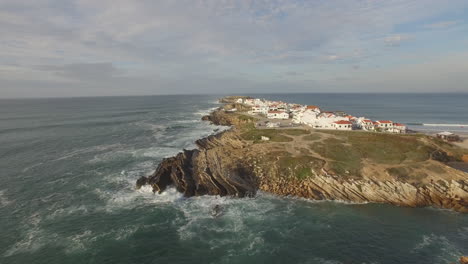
(367, 121)
(343, 122)
(385, 121)
(398, 124)
(312, 107)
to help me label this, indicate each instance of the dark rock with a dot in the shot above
(440, 155)
(141, 181)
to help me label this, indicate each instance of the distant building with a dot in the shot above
(259, 109)
(277, 115)
(448, 136)
(384, 124)
(313, 108)
(366, 124)
(342, 125)
(399, 128)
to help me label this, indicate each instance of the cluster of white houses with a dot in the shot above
(313, 116)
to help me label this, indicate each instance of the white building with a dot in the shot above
(365, 124)
(277, 115)
(384, 124)
(399, 128)
(259, 109)
(342, 125)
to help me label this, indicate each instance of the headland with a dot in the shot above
(332, 156)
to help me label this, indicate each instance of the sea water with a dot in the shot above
(67, 190)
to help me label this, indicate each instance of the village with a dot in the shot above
(280, 114)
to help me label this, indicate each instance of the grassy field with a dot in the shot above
(344, 153)
(300, 167)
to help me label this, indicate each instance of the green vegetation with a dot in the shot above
(295, 132)
(300, 167)
(347, 150)
(379, 147)
(246, 118)
(256, 134)
(312, 137)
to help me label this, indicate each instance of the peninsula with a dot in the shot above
(295, 150)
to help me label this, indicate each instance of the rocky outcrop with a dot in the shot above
(464, 260)
(208, 170)
(225, 164)
(444, 194)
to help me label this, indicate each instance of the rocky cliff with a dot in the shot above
(316, 165)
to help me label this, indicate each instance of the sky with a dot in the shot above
(60, 48)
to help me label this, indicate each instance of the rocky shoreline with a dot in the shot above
(228, 163)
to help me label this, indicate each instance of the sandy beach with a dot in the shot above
(463, 137)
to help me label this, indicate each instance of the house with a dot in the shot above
(384, 124)
(277, 115)
(366, 124)
(448, 136)
(399, 128)
(259, 109)
(313, 108)
(342, 125)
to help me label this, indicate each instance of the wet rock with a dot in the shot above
(141, 181)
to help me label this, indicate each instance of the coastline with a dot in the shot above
(228, 164)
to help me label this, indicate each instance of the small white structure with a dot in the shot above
(342, 125)
(272, 124)
(277, 115)
(448, 136)
(265, 138)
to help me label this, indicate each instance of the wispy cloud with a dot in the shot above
(396, 40)
(442, 24)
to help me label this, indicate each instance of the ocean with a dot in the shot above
(67, 189)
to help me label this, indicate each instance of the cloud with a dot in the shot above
(442, 24)
(84, 71)
(396, 40)
(109, 42)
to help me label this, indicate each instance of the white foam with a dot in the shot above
(450, 251)
(447, 125)
(33, 239)
(67, 211)
(206, 111)
(4, 201)
(32, 166)
(97, 148)
(79, 242)
(131, 198)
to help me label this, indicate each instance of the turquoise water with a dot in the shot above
(68, 169)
